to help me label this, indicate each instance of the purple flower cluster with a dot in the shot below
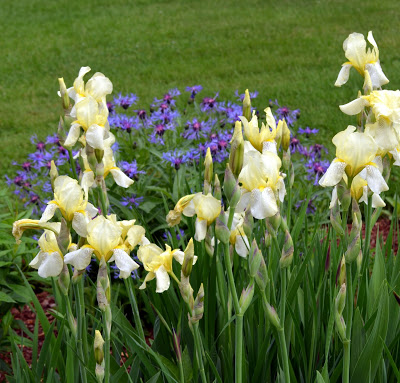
(132, 200)
(131, 169)
(193, 90)
(283, 112)
(31, 181)
(195, 129)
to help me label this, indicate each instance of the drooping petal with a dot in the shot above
(51, 265)
(263, 204)
(120, 178)
(343, 75)
(242, 245)
(80, 259)
(149, 277)
(48, 213)
(334, 198)
(95, 136)
(125, 263)
(378, 78)
(87, 180)
(189, 210)
(377, 201)
(91, 211)
(354, 107)
(375, 180)
(79, 224)
(201, 229)
(163, 280)
(73, 135)
(334, 174)
(35, 263)
(244, 201)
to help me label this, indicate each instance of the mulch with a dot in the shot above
(47, 301)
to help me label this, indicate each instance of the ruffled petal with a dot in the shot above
(189, 210)
(244, 202)
(91, 210)
(125, 263)
(120, 178)
(80, 259)
(87, 180)
(51, 265)
(201, 229)
(334, 174)
(343, 75)
(35, 263)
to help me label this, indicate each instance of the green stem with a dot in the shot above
(231, 281)
(197, 343)
(107, 372)
(82, 318)
(103, 201)
(346, 361)
(135, 310)
(282, 306)
(72, 162)
(239, 348)
(349, 300)
(284, 354)
(181, 374)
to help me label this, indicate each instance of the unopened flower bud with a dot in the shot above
(188, 259)
(209, 242)
(354, 246)
(63, 94)
(262, 275)
(186, 291)
(341, 299)
(248, 223)
(61, 131)
(340, 327)
(208, 172)
(53, 173)
(287, 251)
(285, 136)
(247, 105)
(246, 297)
(91, 157)
(367, 87)
(254, 258)
(237, 150)
(231, 188)
(217, 188)
(273, 316)
(198, 308)
(344, 195)
(359, 261)
(286, 158)
(98, 347)
(99, 155)
(336, 219)
(341, 273)
(273, 223)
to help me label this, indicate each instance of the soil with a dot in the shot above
(47, 301)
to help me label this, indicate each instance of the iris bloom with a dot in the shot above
(73, 204)
(158, 263)
(384, 120)
(362, 59)
(206, 208)
(262, 183)
(104, 241)
(263, 138)
(92, 117)
(354, 152)
(120, 178)
(49, 261)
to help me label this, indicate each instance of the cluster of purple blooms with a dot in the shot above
(31, 183)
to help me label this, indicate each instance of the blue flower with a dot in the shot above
(193, 90)
(126, 101)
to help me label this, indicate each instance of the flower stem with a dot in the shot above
(197, 342)
(72, 162)
(135, 310)
(284, 354)
(346, 361)
(239, 348)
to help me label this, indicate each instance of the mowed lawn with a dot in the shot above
(289, 50)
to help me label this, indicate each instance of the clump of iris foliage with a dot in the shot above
(228, 262)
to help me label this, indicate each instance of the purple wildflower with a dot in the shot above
(131, 169)
(193, 90)
(132, 200)
(168, 236)
(240, 97)
(317, 149)
(316, 169)
(307, 131)
(110, 107)
(196, 129)
(311, 209)
(40, 145)
(176, 158)
(295, 145)
(283, 112)
(125, 101)
(208, 103)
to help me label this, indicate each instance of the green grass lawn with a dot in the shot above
(291, 51)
